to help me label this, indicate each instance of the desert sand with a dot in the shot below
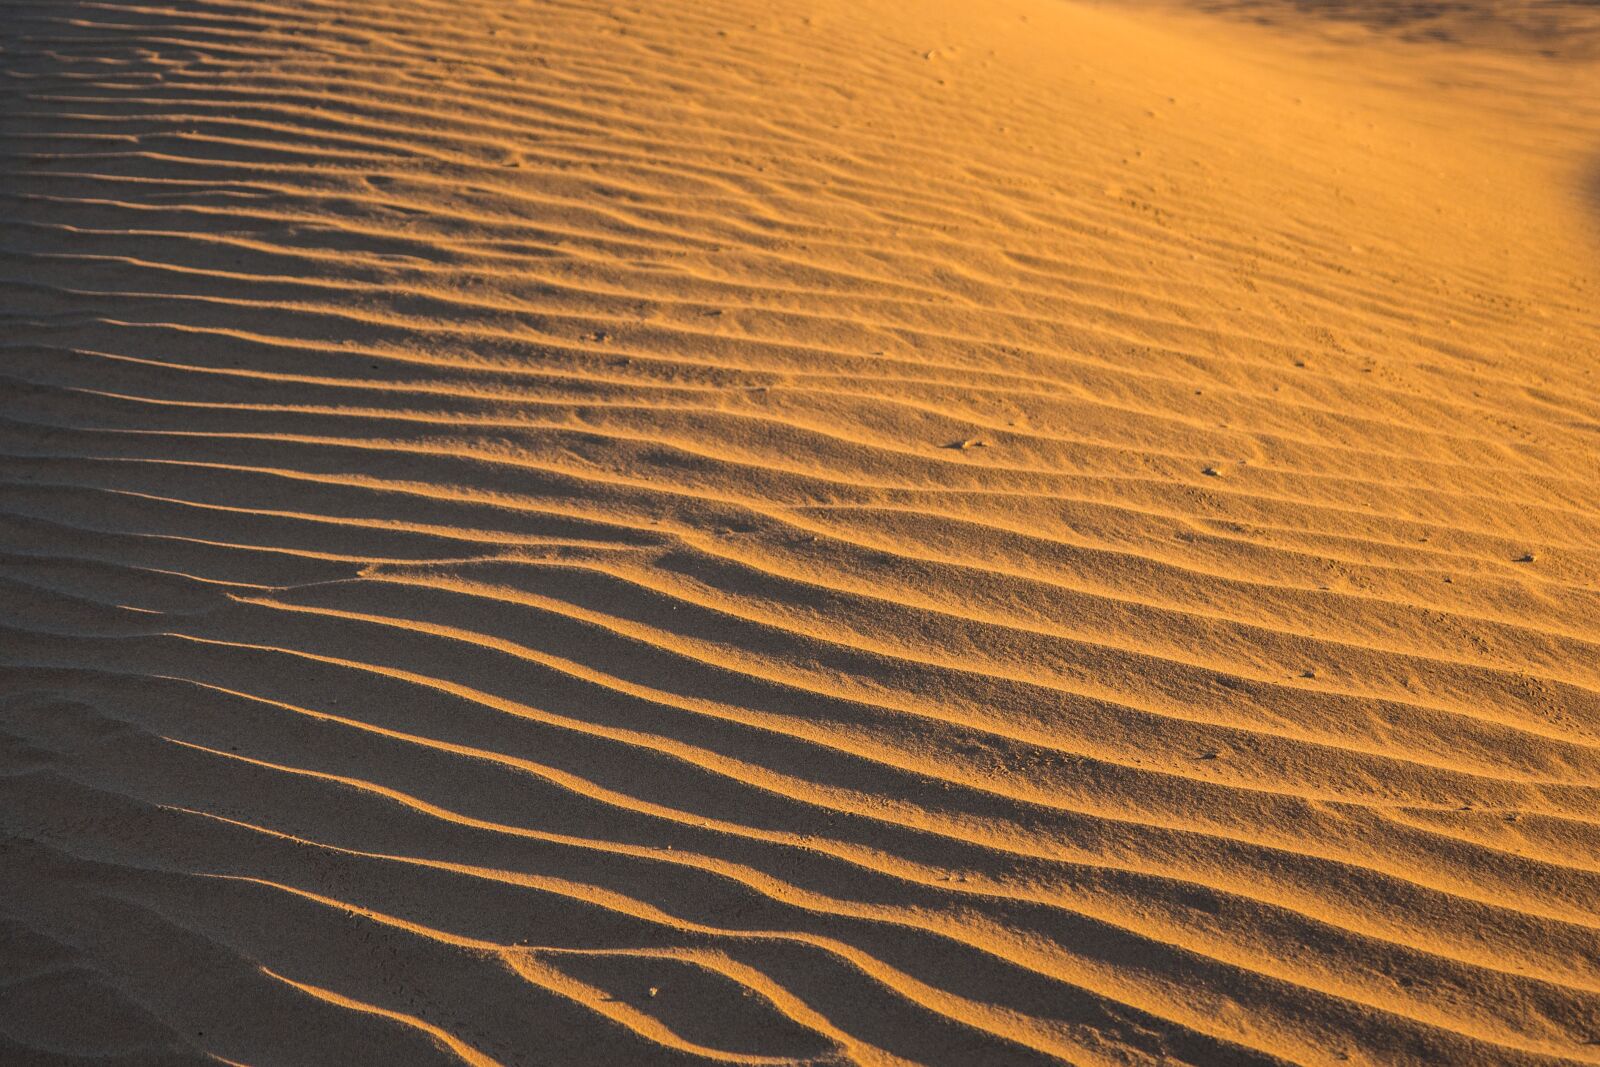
(854, 531)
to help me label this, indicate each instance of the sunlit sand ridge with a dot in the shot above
(859, 531)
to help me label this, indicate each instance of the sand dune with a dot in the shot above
(737, 532)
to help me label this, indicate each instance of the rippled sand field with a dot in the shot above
(851, 531)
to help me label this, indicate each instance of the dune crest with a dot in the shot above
(880, 532)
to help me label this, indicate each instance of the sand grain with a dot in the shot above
(738, 532)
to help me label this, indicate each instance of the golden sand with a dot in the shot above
(874, 531)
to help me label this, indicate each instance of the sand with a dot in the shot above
(872, 531)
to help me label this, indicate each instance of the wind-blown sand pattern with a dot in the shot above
(861, 531)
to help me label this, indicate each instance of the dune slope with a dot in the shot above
(741, 532)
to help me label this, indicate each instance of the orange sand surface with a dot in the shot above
(849, 531)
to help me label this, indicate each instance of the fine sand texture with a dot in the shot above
(936, 532)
